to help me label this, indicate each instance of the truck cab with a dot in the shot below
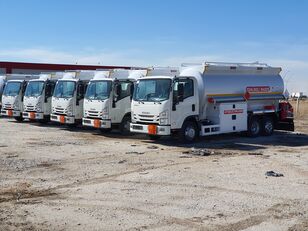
(37, 98)
(68, 96)
(108, 98)
(161, 103)
(13, 95)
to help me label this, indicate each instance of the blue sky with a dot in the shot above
(149, 32)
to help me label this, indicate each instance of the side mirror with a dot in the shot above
(80, 90)
(118, 89)
(180, 92)
(132, 86)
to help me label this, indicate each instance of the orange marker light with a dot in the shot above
(32, 115)
(10, 113)
(152, 129)
(97, 123)
(62, 119)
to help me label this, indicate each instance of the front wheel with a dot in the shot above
(254, 127)
(125, 125)
(188, 132)
(267, 126)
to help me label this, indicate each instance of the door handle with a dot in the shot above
(193, 107)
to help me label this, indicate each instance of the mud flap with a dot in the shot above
(287, 125)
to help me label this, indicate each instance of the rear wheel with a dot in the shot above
(125, 125)
(254, 127)
(188, 132)
(267, 126)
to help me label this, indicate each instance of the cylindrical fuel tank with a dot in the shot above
(234, 80)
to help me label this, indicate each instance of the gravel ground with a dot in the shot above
(56, 178)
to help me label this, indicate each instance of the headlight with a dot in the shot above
(163, 121)
(105, 110)
(16, 105)
(69, 113)
(105, 114)
(105, 117)
(163, 114)
(38, 107)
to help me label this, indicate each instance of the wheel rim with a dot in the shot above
(190, 133)
(268, 127)
(255, 128)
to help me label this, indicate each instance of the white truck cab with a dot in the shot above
(13, 93)
(68, 96)
(108, 99)
(2, 84)
(209, 99)
(37, 98)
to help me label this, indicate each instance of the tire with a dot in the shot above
(154, 137)
(254, 127)
(267, 126)
(125, 125)
(19, 119)
(188, 132)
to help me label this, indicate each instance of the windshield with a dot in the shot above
(99, 90)
(12, 88)
(34, 88)
(64, 89)
(152, 90)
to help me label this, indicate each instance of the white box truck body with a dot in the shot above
(209, 99)
(37, 98)
(13, 94)
(68, 96)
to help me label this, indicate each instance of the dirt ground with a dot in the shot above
(55, 178)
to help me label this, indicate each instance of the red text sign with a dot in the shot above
(234, 111)
(258, 89)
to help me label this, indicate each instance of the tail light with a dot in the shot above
(286, 111)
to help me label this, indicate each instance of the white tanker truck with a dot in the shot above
(37, 98)
(107, 101)
(210, 99)
(13, 93)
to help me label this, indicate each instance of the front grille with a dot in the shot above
(60, 111)
(8, 106)
(147, 118)
(94, 114)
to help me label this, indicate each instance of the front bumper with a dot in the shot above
(96, 123)
(33, 115)
(10, 113)
(151, 129)
(63, 119)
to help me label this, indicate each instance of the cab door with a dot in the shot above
(185, 101)
(122, 103)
